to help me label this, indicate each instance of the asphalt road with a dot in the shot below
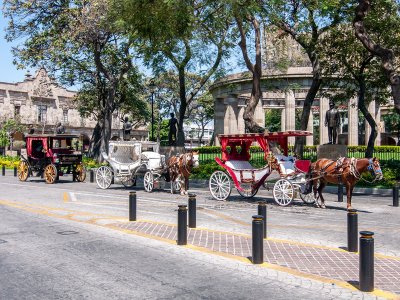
(51, 258)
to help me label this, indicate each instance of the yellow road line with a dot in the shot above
(65, 197)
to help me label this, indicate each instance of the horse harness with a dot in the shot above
(181, 161)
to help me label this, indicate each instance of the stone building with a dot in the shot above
(287, 77)
(40, 103)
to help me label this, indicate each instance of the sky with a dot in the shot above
(8, 71)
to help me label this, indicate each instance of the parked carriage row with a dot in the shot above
(52, 156)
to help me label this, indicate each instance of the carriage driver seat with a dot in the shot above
(37, 149)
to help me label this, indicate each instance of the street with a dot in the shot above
(56, 242)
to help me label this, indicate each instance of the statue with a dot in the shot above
(172, 129)
(332, 121)
(60, 129)
(127, 129)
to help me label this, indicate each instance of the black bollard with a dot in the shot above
(132, 206)
(192, 210)
(91, 176)
(262, 211)
(182, 225)
(366, 261)
(257, 239)
(3, 171)
(352, 230)
(396, 196)
(15, 171)
(340, 192)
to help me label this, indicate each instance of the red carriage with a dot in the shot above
(51, 156)
(248, 179)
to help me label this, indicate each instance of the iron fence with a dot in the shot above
(310, 153)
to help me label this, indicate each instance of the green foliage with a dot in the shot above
(204, 171)
(273, 120)
(8, 127)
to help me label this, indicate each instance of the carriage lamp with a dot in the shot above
(55, 158)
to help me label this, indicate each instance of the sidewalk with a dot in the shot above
(297, 258)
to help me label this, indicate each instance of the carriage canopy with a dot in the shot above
(237, 146)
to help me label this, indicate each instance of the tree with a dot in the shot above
(306, 22)
(184, 36)
(8, 128)
(76, 41)
(354, 72)
(273, 120)
(202, 113)
(391, 20)
(247, 17)
(392, 124)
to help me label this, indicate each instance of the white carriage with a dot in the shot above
(128, 159)
(293, 172)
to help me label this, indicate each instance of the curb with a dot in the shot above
(199, 183)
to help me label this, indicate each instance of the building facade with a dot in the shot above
(285, 88)
(40, 103)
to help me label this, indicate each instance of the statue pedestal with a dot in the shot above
(331, 151)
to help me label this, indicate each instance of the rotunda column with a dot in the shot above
(310, 127)
(231, 115)
(283, 119)
(290, 111)
(240, 121)
(353, 123)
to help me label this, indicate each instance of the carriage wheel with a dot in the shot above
(129, 181)
(104, 177)
(248, 192)
(80, 173)
(50, 173)
(176, 186)
(309, 198)
(283, 192)
(148, 181)
(23, 170)
(220, 185)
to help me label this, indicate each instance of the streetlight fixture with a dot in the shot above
(152, 88)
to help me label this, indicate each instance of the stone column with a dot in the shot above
(259, 114)
(219, 114)
(310, 127)
(283, 119)
(231, 113)
(240, 121)
(323, 131)
(290, 121)
(352, 123)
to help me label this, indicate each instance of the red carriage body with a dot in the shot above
(235, 161)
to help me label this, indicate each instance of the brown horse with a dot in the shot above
(180, 167)
(346, 171)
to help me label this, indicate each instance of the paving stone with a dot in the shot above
(310, 259)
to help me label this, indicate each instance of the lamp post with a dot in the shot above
(152, 86)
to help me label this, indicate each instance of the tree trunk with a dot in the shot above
(182, 108)
(248, 115)
(255, 69)
(386, 55)
(374, 128)
(305, 115)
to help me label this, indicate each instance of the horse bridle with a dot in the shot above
(185, 160)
